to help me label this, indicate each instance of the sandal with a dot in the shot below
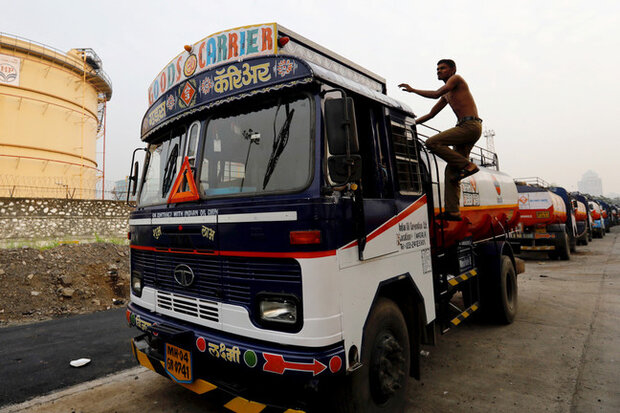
(466, 172)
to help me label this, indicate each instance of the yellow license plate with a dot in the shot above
(179, 363)
(542, 214)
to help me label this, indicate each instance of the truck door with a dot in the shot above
(377, 188)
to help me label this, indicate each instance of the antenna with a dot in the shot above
(489, 134)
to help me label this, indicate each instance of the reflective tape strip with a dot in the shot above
(542, 248)
(241, 405)
(140, 221)
(463, 277)
(199, 386)
(207, 219)
(457, 320)
(258, 217)
(221, 219)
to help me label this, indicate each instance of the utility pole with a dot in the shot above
(489, 134)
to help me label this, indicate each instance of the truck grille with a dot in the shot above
(193, 307)
(233, 280)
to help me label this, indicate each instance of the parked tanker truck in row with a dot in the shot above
(598, 215)
(583, 217)
(548, 219)
(284, 246)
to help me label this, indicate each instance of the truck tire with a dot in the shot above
(508, 292)
(573, 245)
(563, 247)
(380, 385)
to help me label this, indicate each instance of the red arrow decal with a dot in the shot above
(275, 363)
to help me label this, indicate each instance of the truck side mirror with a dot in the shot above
(134, 178)
(133, 175)
(344, 169)
(340, 126)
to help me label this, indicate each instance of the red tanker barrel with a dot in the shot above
(581, 214)
(595, 210)
(488, 207)
(538, 206)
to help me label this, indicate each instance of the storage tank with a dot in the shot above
(52, 108)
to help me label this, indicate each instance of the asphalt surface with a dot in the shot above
(562, 354)
(34, 358)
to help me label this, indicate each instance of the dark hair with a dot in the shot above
(449, 62)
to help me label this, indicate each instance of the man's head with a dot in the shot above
(445, 69)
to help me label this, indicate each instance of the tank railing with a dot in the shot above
(533, 181)
(27, 45)
(478, 154)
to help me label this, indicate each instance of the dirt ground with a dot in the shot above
(40, 284)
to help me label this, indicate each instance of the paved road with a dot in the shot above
(562, 354)
(35, 358)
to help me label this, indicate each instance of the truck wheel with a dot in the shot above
(508, 292)
(380, 385)
(563, 246)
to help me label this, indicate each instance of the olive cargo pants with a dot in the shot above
(463, 137)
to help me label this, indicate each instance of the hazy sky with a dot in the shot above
(543, 73)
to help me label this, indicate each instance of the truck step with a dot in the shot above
(454, 281)
(457, 320)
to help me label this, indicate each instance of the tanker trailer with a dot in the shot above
(572, 209)
(543, 220)
(598, 223)
(606, 213)
(588, 218)
(582, 217)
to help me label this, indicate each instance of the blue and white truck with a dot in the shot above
(284, 246)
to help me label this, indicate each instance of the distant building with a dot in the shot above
(590, 184)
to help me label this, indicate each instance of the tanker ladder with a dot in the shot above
(457, 273)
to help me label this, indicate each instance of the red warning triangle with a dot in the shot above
(185, 175)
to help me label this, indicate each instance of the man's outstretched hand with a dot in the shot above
(405, 87)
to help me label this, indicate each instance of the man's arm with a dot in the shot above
(433, 94)
(434, 111)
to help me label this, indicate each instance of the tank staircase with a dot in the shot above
(453, 267)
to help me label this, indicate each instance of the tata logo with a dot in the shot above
(183, 275)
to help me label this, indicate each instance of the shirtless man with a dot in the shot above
(463, 136)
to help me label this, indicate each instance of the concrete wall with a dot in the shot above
(62, 219)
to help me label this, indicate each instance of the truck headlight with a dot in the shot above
(279, 312)
(136, 283)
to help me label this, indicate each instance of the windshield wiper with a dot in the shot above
(251, 137)
(279, 142)
(170, 170)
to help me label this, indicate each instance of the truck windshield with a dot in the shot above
(163, 165)
(259, 149)
(265, 148)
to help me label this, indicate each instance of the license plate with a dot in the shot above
(542, 214)
(179, 363)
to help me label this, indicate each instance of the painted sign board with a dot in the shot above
(214, 50)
